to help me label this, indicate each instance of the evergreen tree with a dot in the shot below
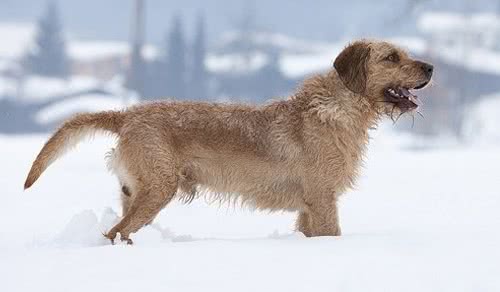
(136, 74)
(176, 61)
(199, 76)
(136, 71)
(49, 54)
(269, 80)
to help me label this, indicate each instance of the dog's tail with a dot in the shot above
(72, 132)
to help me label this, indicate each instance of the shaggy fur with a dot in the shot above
(298, 154)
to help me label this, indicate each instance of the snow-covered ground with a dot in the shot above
(482, 125)
(418, 221)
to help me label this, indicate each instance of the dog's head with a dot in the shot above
(383, 73)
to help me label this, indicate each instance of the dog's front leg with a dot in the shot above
(303, 223)
(324, 219)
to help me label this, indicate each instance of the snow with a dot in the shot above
(296, 66)
(94, 50)
(84, 103)
(8, 86)
(444, 22)
(470, 40)
(42, 88)
(236, 63)
(476, 59)
(423, 220)
(263, 40)
(483, 120)
(16, 37)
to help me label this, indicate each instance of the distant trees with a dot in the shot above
(137, 72)
(176, 69)
(270, 78)
(198, 81)
(48, 56)
(180, 72)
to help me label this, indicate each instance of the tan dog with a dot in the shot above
(298, 154)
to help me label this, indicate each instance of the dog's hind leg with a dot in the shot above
(147, 203)
(126, 192)
(155, 184)
(126, 198)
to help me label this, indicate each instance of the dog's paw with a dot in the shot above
(123, 239)
(126, 240)
(111, 235)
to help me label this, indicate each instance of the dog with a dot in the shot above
(299, 154)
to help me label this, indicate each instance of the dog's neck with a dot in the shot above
(332, 102)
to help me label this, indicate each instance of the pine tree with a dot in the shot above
(137, 71)
(136, 74)
(49, 54)
(176, 61)
(199, 77)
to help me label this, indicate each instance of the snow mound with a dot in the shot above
(84, 229)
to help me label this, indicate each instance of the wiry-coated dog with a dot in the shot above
(298, 154)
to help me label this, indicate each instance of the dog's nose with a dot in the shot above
(427, 68)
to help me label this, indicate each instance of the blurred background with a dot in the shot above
(62, 57)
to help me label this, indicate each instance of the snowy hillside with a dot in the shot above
(17, 39)
(418, 221)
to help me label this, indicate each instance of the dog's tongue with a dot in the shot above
(413, 98)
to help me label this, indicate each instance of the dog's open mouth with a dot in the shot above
(402, 97)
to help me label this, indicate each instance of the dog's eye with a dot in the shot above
(393, 58)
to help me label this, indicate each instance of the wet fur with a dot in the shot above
(298, 154)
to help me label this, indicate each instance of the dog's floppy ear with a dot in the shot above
(351, 66)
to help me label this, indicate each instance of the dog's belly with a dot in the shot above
(260, 184)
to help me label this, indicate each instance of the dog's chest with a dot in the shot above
(337, 157)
